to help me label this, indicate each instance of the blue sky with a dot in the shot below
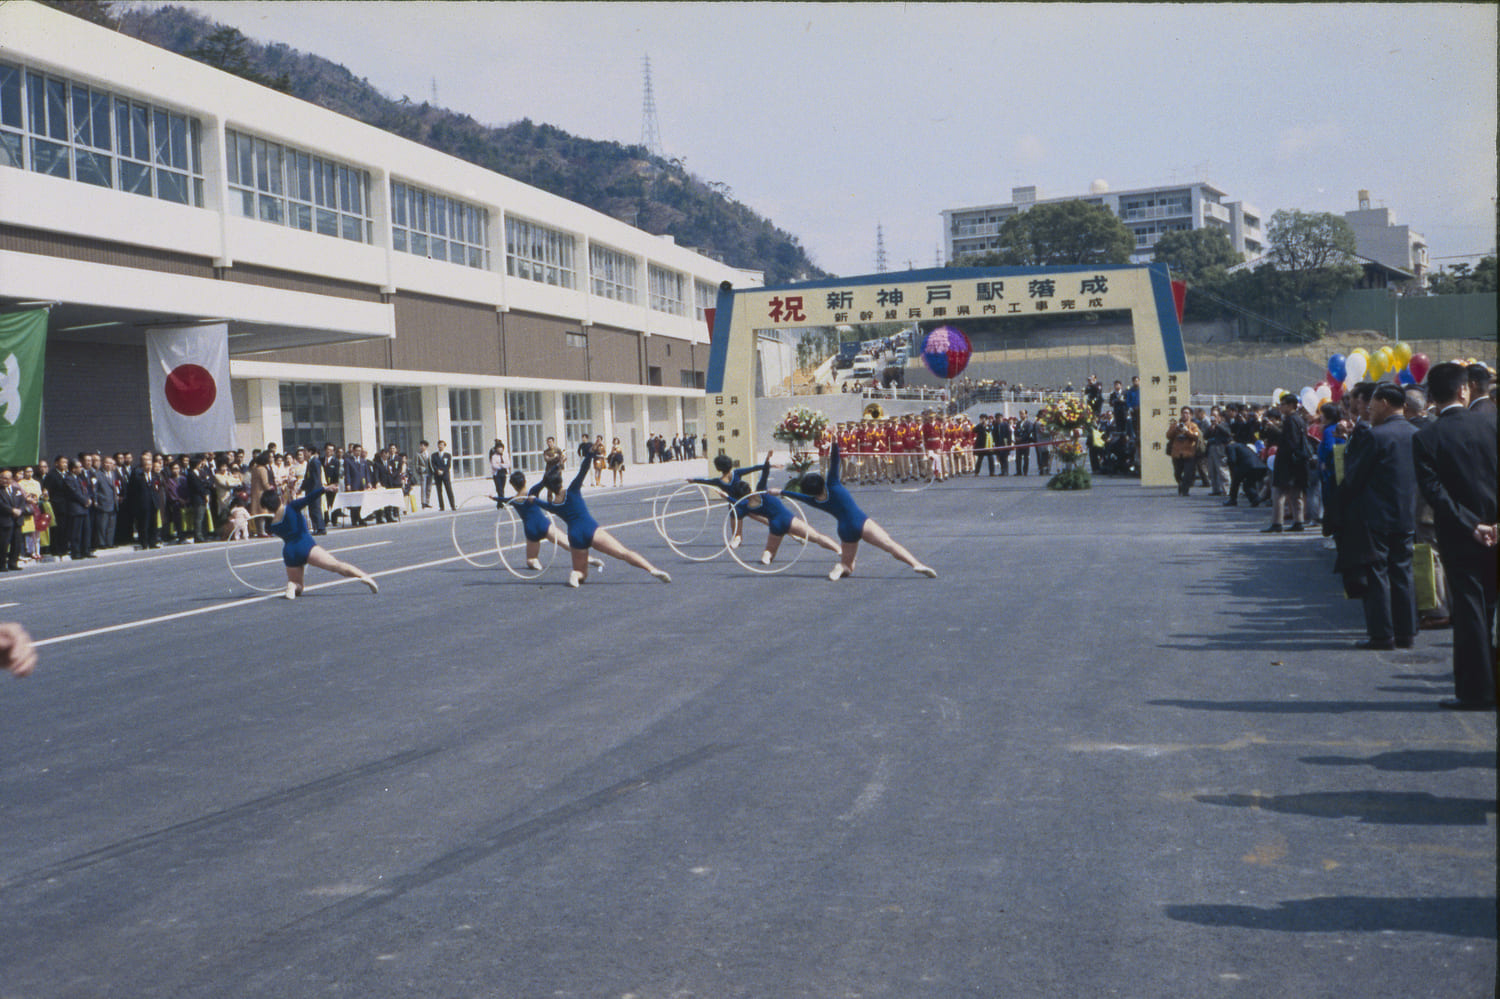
(833, 118)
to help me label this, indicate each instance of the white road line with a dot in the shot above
(248, 601)
(195, 550)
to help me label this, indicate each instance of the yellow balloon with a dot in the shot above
(1403, 354)
(1375, 368)
(1361, 352)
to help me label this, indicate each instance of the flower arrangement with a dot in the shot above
(801, 425)
(1069, 452)
(1065, 414)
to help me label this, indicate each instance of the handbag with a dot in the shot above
(1424, 570)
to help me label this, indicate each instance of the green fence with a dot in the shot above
(1436, 317)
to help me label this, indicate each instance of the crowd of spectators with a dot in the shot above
(1399, 480)
(73, 507)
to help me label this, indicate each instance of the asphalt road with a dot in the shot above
(1119, 748)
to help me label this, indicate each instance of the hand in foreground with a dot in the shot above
(16, 651)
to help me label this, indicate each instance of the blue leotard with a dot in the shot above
(574, 512)
(535, 523)
(778, 517)
(296, 541)
(851, 519)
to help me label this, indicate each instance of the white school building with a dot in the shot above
(375, 290)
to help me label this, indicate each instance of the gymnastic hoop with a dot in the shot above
(694, 504)
(925, 485)
(229, 547)
(510, 521)
(776, 566)
(474, 559)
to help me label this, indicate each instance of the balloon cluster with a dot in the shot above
(1346, 370)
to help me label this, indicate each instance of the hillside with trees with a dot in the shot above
(654, 194)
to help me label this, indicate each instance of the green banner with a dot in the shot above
(23, 348)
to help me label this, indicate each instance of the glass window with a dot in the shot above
(612, 274)
(578, 420)
(431, 225)
(705, 297)
(527, 433)
(536, 253)
(398, 412)
(666, 290)
(312, 414)
(76, 131)
(290, 187)
(466, 434)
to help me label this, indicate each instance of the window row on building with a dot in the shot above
(312, 414)
(68, 130)
(65, 129)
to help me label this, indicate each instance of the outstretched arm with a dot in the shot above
(300, 503)
(583, 468)
(833, 465)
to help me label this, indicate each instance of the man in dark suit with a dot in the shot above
(198, 491)
(356, 479)
(1378, 498)
(1001, 438)
(1480, 378)
(76, 499)
(1455, 468)
(12, 513)
(1025, 434)
(442, 474)
(312, 478)
(982, 444)
(145, 502)
(55, 486)
(106, 503)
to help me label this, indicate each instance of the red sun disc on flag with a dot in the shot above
(191, 389)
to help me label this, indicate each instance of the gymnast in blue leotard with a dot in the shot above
(298, 548)
(584, 531)
(536, 525)
(766, 508)
(834, 499)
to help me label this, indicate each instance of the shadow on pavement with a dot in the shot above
(1297, 707)
(1411, 760)
(1454, 917)
(1402, 808)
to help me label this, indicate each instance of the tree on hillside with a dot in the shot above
(227, 49)
(1316, 253)
(1460, 280)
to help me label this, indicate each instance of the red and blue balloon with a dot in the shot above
(946, 351)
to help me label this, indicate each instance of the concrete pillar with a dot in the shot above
(265, 414)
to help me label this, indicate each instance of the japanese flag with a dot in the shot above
(191, 408)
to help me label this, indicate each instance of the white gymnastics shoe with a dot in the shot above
(734, 542)
(291, 591)
(374, 586)
(661, 575)
(838, 572)
(597, 563)
(925, 571)
(534, 563)
(765, 558)
(574, 578)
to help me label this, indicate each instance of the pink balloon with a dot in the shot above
(1419, 365)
